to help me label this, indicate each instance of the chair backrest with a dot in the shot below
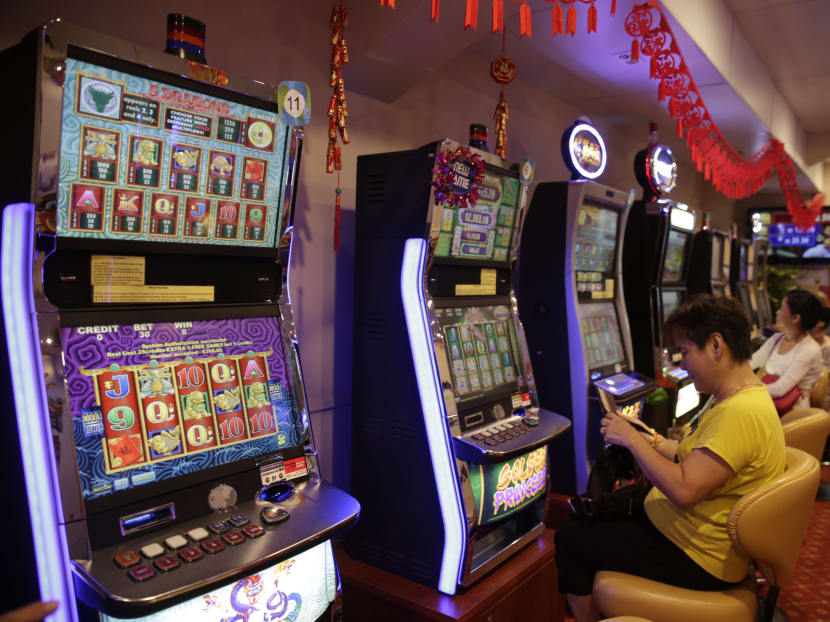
(769, 524)
(819, 391)
(807, 429)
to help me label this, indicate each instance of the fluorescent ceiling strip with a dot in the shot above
(432, 407)
(34, 427)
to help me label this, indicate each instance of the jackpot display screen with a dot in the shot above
(297, 589)
(503, 488)
(485, 230)
(144, 160)
(601, 334)
(153, 401)
(596, 238)
(677, 249)
(481, 346)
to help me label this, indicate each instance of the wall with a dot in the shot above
(262, 39)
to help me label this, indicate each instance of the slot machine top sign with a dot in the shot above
(656, 169)
(584, 151)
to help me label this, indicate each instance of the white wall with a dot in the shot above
(265, 40)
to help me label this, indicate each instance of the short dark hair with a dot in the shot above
(704, 314)
(805, 304)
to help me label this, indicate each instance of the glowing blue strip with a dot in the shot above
(432, 407)
(35, 430)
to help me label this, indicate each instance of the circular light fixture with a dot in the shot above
(584, 151)
(661, 169)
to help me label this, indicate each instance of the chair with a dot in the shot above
(819, 391)
(807, 429)
(781, 507)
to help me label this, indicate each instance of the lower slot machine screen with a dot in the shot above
(153, 401)
(601, 334)
(671, 300)
(677, 248)
(299, 589)
(481, 345)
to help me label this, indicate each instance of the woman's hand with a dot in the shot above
(33, 612)
(617, 430)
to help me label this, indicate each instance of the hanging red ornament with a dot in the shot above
(558, 20)
(471, 15)
(500, 117)
(436, 7)
(503, 70)
(613, 7)
(592, 18)
(635, 50)
(570, 27)
(525, 26)
(498, 16)
(338, 110)
(389, 3)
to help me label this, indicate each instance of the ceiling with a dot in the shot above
(393, 50)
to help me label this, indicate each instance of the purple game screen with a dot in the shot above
(156, 400)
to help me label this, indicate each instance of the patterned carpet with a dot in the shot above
(807, 597)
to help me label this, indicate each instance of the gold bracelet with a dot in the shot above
(656, 439)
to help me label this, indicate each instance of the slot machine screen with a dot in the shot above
(143, 159)
(484, 231)
(596, 237)
(671, 300)
(677, 249)
(153, 401)
(482, 349)
(717, 257)
(742, 261)
(687, 399)
(601, 334)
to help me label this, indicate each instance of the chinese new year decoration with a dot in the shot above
(503, 70)
(448, 166)
(338, 111)
(730, 173)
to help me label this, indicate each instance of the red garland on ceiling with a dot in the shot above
(338, 111)
(561, 24)
(730, 173)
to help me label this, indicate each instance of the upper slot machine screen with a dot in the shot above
(596, 237)
(485, 230)
(601, 334)
(677, 249)
(153, 401)
(142, 159)
(482, 348)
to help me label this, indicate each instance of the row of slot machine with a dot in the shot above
(170, 457)
(161, 419)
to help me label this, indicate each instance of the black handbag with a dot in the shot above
(616, 490)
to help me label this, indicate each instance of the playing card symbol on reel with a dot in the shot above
(161, 417)
(197, 217)
(197, 418)
(122, 426)
(230, 416)
(255, 391)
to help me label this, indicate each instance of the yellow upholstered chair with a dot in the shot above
(819, 391)
(781, 507)
(807, 430)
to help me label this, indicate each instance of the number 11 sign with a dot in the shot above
(295, 103)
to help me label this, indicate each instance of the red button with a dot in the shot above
(253, 531)
(191, 554)
(167, 563)
(233, 538)
(214, 545)
(125, 560)
(140, 573)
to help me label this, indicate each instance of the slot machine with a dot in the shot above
(449, 448)
(766, 317)
(711, 258)
(742, 281)
(572, 304)
(169, 464)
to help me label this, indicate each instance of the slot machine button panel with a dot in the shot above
(213, 546)
(128, 559)
(191, 554)
(233, 538)
(151, 551)
(174, 543)
(167, 563)
(219, 527)
(238, 520)
(140, 573)
(198, 534)
(253, 531)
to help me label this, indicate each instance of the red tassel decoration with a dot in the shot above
(661, 91)
(436, 7)
(652, 67)
(679, 128)
(558, 20)
(570, 28)
(389, 3)
(471, 16)
(525, 26)
(707, 171)
(592, 18)
(635, 50)
(613, 7)
(498, 16)
(338, 192)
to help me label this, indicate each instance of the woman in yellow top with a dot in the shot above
(738, 444)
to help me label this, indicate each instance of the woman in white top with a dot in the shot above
(793, 355)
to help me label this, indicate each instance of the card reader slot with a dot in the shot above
(139, 521)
